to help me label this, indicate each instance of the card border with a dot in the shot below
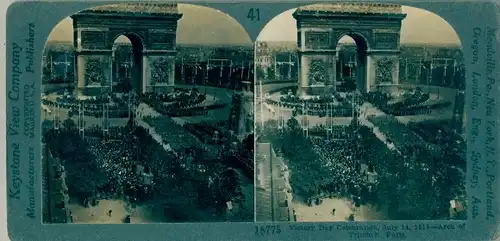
(19, 227)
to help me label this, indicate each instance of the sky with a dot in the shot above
(419, 27)
(198, 25)
(203, 25)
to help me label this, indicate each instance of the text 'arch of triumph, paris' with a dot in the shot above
(150, 28)
(375, 29)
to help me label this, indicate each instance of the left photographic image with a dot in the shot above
(147, 116)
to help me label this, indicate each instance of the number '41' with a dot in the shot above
(254, 14)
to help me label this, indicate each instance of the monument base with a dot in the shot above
(51, 88)
(316, 90)
(159, 88)
(93, 90)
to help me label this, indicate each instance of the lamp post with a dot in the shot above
(205, 78)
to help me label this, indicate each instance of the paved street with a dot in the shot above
(272, 185)
(89, 120)
(270, 112)
(120, 209)
(265, 204)
(370, 110)
(343, 208)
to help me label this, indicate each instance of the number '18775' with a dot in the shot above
(265, 230)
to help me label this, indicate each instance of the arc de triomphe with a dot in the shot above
(151, 28)
(374, 27)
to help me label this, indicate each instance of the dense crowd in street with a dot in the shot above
(153, 160)
(427, 163)
(339, 159)
(180, 102)
(172, 133)
(333, 132)
(415, 102)
(130, 164)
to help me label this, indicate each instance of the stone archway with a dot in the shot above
(152, 30)
(136, 80)
(374, 27)
(361, 57)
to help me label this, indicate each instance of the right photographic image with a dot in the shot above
(359, 115)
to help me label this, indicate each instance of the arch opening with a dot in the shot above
(127, 63)
(351, 57)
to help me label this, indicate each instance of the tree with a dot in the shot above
(47, 72)
(125, 85)
(46, 127)
(130, 123)
(83, 178)
(248, 142)
(293, 124)
(69, 77)
(69, 124)
(228, 188)
(178, 203)
(271, 75)
(244, 214)
(260, 73)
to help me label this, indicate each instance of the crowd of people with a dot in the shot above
(339, 158)
(435, 137)
(117, 105)
(210, 134)
(415, 102)
(177, 172)
(172, 133)
(117, 161)
(206, 74)
(320, 167)
(340, 168)
(334, 108)
(328, 104)
(441, 134)
(333, 132)
(180, 102)
(117, 167)
(396, 132)
(215, 138)
(185, 96)
(417, 161)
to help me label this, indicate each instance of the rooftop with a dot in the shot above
(373, 8)
(155, 8)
